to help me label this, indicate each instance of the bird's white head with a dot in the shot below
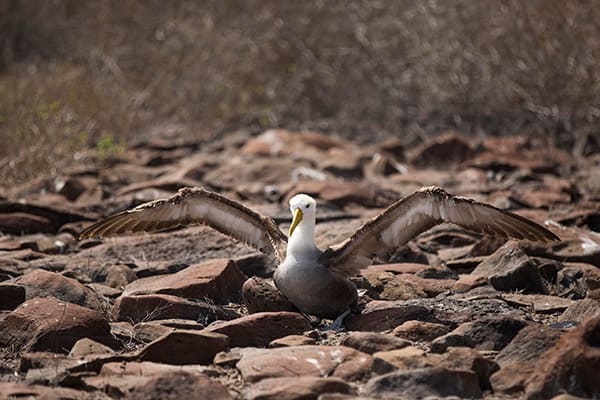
(303, 208)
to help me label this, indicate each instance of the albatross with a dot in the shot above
(317, 281)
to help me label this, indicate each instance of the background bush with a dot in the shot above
(74, 73)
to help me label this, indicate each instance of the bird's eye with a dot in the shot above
(308, 206)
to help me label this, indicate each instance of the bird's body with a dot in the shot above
(301, 277)
(313, 288)
(316, 281)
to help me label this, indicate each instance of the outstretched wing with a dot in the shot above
(196, 206)
(417, 213)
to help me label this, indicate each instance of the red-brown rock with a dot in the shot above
(424, 382)
(19, 223)
(381, 315)
(261, 328)
(510, 268)
(518, 360)
(219, 280)
(292, 340)
(180, 385)
(490, 333)
(469, 359)
(15, 390)
(318, 361)
(403, 359)
(371, 342)
(468, 282)
(297, 388)
(420, 331)
(182, 347)
(162, 306)
(86, 346)
(11, 296)
(42, 283)
(571, 365)
(388, 286)
(259, 295)
(51, 324)
(431, 287)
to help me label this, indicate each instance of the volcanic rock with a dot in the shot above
(510, 268)
(296, 388)
(42, 283)
(292, 340)
(382, 315)
(519, 358)
(317, 361)
(571, 365)
(261, 328)
(580, 311)
(218, 280)
(259, 295)
(87, 346)
(180, 385)
(182, 347)
(14, 390)
(371, 342)
(469, 359)
(420, 331)
(51, 324)
(403, 359)
(162, 306)
(424, 382)
(490, 333)
(11, 296)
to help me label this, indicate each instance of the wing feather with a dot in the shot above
(418, 212)
(196, 206)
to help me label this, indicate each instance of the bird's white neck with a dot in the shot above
(302, 240)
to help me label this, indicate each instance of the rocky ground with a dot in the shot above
(160, 316)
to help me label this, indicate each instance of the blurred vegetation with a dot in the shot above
(74, 73)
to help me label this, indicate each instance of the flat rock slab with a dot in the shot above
(259, 295)
(180, 385)
(11, 296)
(518, 360)
(383, 315)
(491, 333)
(138, 308)
(292, 340)
(420, 331)
(14, 390)
(120, 378)
(50, 324)
(317, 361)
(42, 283)
(261, 328)
(146, 368)
(181, 347)
(219, 280)
(85, 347)
(540, 303)
(510, 268)
(297, 388)
(401, 359)
(571, 365)
(424, 382)
(371, 342)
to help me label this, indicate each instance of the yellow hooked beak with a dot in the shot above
(296, 220)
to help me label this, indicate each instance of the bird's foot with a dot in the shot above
(338, 323)
(312, 320)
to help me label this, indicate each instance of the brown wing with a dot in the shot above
(419, 212)
(196, 206)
